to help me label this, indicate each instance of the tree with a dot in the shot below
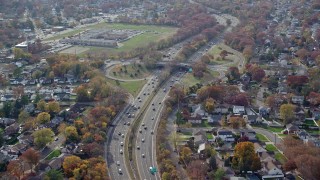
(69, 164)
(290, 165)
(210, 105)
(31, 157)
(233, 74)
(23, 116)
(223, 54)
(53, 107)
(43, 137)
(213, 163)
(218, 175)
(71, 134)
(245, 159)
(7, 108)
(83, 94)
(41, 105)
(16, 168)
(185, 155)
(43, 117)
(53, 174)
(287, 113)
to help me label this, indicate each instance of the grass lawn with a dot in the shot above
(129, 72)
(262, 137)
(133, 87)
(54, 153)
(203, 124)
(314, 132)
(280, 157)
(187, 133)
(309, 122)
(275, 129)
(189, 80)
(282, 135)
(271, 147)
(209, 136)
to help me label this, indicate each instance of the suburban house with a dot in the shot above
(221, 109)
(197, 115)
(252, 119)
(297, 99)
(291, 129)
(251, 134)
(271, 171)
(7, 121)
(238, 110)
(225, 135)
(214, 118)
(269, 168)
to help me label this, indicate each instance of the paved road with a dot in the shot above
(114, 144)
(146, 140)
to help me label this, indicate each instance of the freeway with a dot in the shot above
(146, 137)
(118, 132)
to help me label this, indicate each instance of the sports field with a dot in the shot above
(151, 33)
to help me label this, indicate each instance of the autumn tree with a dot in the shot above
(236, 122)
(43, 117)
(245, 159)
(287, 113)
(198, 69)
(69, 164)
(31, 157)
(233, 74)
(53, 107)
(16, 168)
(43, 137)
(71, 134)
(210, 105)
(41, 105)
(290, 165)
(185, 155)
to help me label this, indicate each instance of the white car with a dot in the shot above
(118, 163)
(143, 155)
(121, 151)
(120, 171)
(142, 140)
(121, 143)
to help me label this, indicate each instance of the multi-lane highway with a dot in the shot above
(146, 137)
(118, 132)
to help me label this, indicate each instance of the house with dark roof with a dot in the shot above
(291, 128)
(225, 135)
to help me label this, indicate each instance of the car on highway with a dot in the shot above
(121, 143)
(119, 133)
(118, 163)
(151, 132)
(142, 124)
(128, 123)
(119, 171)
(140, 131)
(121, 151)
(143, 155)
(122, 135)
(138, 147)
(145, 127)
(152, 118)
(142, 140)
(125, 123)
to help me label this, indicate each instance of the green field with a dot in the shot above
(271, 147)
(262, 138)
(54, 153)
(133, 87)
(129, 71)
(280, 157)
(189, 80)
(275, 129)
(151, 33)
(209, 136)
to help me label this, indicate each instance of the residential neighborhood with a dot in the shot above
(189, 89)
